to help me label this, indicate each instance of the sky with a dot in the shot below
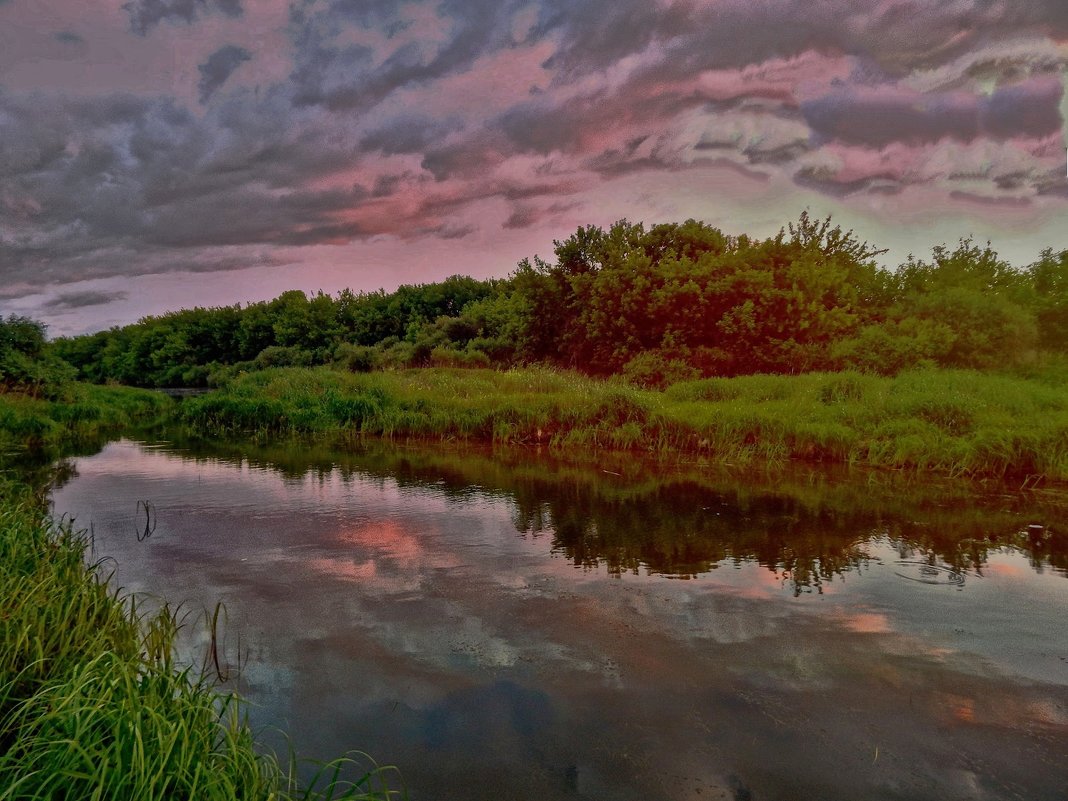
(161, 154)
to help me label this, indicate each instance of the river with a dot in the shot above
(512, 625)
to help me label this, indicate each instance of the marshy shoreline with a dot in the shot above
(82, 662)
(956, 423)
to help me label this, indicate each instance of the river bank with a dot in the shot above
(92, 700)
(952, 422)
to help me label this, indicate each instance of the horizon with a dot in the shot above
(165, 154)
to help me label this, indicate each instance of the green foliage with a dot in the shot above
(964, 308)
(450, 357)
(895, 345)
(357, 358)
(952, 421)
(282, 356)
(653, 369)
(1049, 280)
(92, 704)
(85, 413)
(656, 304)
(186, 348)
(731, 305)
(25, 366)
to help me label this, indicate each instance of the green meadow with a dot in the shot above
(956, 422)
(81, 413)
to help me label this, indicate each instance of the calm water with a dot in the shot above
(516, 627)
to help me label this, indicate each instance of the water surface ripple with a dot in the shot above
(512, 626)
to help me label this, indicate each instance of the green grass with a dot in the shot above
(954, 422)
(92, 702)
(84, 412)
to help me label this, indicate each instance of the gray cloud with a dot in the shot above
(1025, 109)
(409, 134)
(875, 119)
(1053, 184)
(782, 154)
(386, 185)
(68, 37)
(346, 77)
(594, 35)
(827, 182)
(525, 215)
(984, 200)
(894, 37)
(113, 184)
(103, 186)
(448, 231)
(861, 117)
(147, 14)
(474, 155)
(79, 300)
(218, 68)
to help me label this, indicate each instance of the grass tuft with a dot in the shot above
(92, 704)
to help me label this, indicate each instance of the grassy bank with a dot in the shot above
(80, 413)
(955, 422)
(92, 703)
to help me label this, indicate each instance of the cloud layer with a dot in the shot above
(433, 121)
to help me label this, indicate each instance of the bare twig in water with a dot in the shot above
(150, 520)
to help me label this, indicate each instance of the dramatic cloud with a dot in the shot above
(147, 14)
(220, 66)
(443, 123)
(879, 116)
(79, 300)
(408, 134)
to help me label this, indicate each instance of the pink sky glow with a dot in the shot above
(156, 154)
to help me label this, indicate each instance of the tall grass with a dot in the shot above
(952, 421)
(92, 702)
(84, 412)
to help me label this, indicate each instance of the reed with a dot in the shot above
(956, 422)
(82, 413)
(93, 703)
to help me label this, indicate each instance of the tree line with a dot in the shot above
(658, 304)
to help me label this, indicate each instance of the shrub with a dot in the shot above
(654, 370)
(448, 357)
(357, 358)
(282, 356)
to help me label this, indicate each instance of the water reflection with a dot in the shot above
(508, 625)
(805, 525)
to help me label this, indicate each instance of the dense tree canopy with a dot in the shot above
(672, 301)
(25, 364)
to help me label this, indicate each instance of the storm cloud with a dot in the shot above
(457, 119)
(80, 300)
(147, 14)
(876, 117)
(218, 68)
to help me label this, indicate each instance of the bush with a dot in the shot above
(279, 356)
(888, 348)
(448, 357)
(357, 358)
(654, 370)
(25, 364)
